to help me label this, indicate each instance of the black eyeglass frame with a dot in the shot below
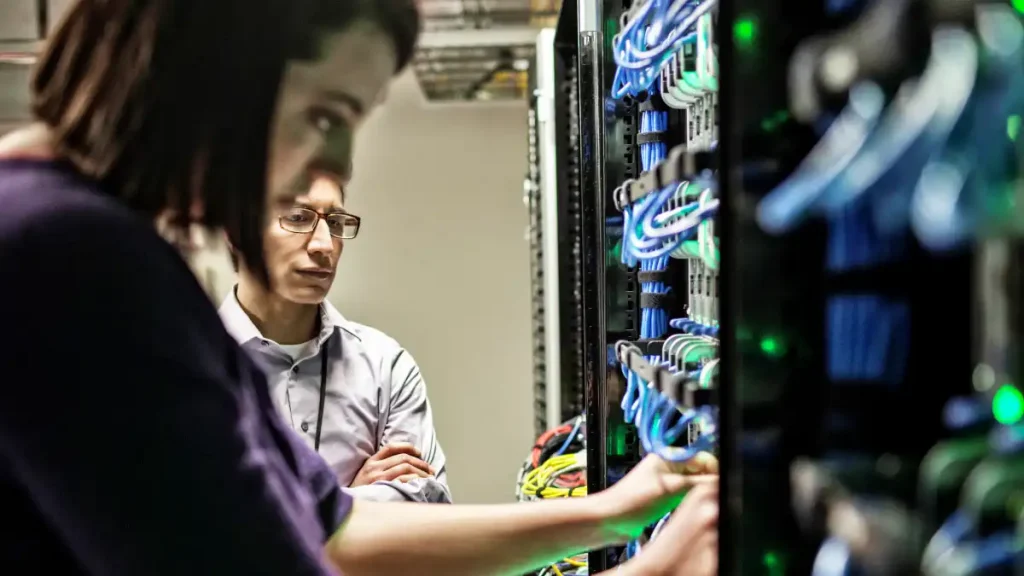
(316, 222)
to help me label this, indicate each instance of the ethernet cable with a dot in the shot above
(949, 200)
(862, 145)
(541, 481)
(562, 477)
(651, 34)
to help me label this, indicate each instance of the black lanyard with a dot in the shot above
(323, 394)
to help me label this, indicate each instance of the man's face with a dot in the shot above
(302, 264)
(321, 106)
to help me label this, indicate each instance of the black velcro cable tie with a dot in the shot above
(650, 137)
(654, 276)
(650, 300)
(653, 104)
(650, 347)
(694, 396)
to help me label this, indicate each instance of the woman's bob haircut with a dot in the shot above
(169, 103)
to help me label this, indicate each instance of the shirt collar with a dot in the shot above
(242, 329)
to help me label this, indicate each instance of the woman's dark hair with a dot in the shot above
(169, 101)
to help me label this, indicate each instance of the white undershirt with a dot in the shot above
(296, 351)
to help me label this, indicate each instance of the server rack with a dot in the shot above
(535, 235)
(803, 441)
(609, 293)
(553, 197)
(798, 435)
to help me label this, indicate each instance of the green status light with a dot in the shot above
(772, 346)
(1013, 122)
(1018, 5)
(744, 31)
(774, 564)
(1008, 404)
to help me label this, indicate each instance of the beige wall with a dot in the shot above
(441, 264)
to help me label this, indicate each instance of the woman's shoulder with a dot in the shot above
(55, 223)
(42, 199)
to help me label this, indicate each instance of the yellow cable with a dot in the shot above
(554, 568)
(574, 562)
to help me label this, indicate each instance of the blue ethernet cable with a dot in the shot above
(654, 321)
(569, 439)
(834, 559)
(868, 339)
(690, 327)
(656, 31)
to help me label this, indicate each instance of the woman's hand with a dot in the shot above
(652, 489)
(688, 543)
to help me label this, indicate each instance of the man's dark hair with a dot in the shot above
(168, 101)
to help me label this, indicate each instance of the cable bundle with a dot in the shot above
(654, 320)
(575, 566)
(652, 33)
(562, 476)
(869, 339)
(925, 161)
(661, 422)
(557, 468)
(689, 80)
(557, 465)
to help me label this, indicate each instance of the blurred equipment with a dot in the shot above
(872, 269)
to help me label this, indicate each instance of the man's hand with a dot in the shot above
(399, 461)
(688, 543)
(652, 489)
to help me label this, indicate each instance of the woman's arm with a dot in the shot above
(380, 538)
(475, 540)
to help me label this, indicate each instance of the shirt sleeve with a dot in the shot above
(127, 418)
(410, 420)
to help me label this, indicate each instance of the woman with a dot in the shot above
(135, 437)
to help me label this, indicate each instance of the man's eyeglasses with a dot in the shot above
(304, 220)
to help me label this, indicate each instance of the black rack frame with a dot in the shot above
(606, 157)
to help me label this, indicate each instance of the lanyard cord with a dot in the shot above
(323, 395)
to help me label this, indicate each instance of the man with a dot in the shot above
(351, 392)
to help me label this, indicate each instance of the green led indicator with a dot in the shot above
(772, 346)
(1008, 405)
(773, 564)
(616, 252)
(744, 32)
(1013, 123)
(1018, 5)
(773, 122)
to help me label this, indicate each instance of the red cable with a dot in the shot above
(544, 439)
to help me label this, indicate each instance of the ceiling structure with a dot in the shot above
(479, 50)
